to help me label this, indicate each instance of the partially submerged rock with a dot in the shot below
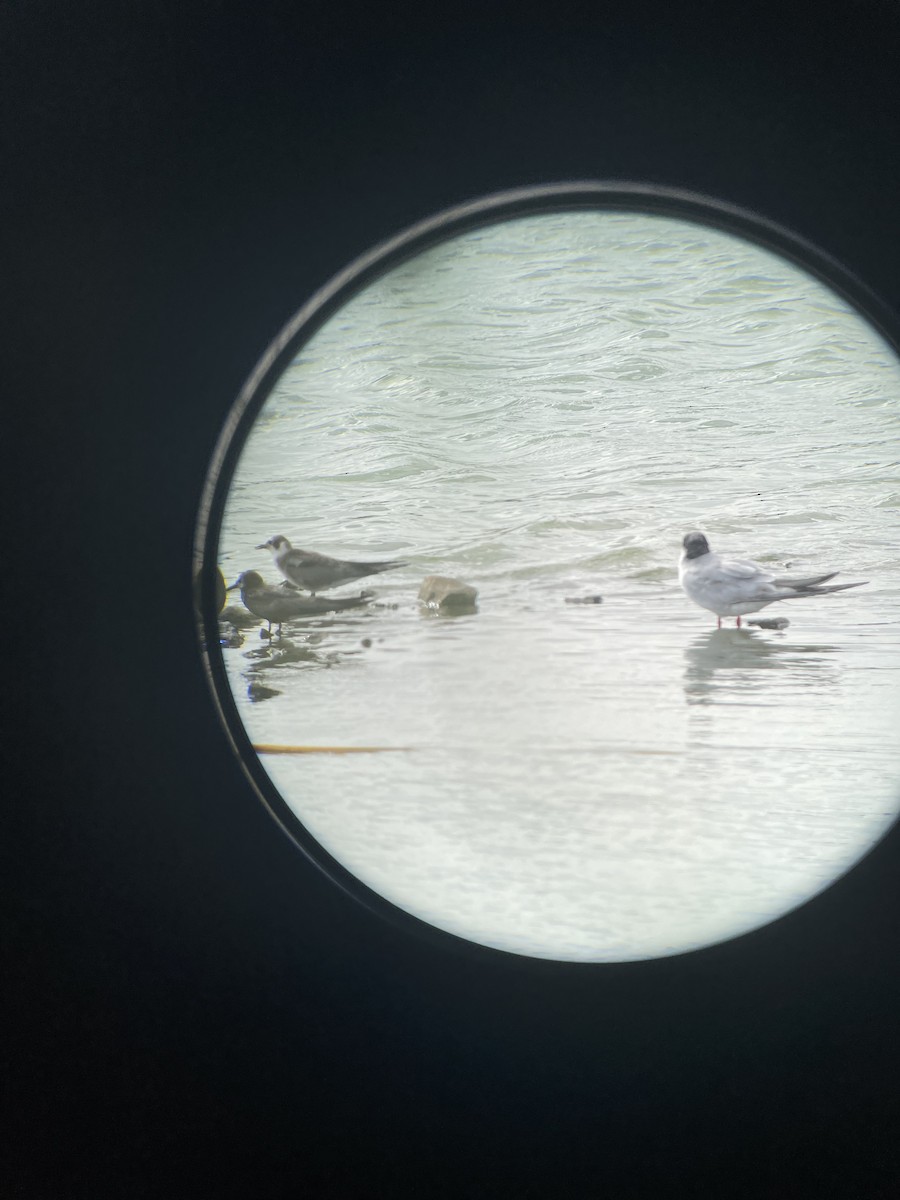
(595, 599)
(769, 622)
(230, 636)
(440, 591)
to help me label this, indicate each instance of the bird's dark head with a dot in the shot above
(248, 581)
(695, 544)
(275, 543)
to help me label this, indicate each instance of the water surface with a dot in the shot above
(543, 408)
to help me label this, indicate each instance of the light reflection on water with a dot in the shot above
(585, 781)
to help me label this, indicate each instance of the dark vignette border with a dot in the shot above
(531, 200)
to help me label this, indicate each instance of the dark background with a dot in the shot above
(193, 1010)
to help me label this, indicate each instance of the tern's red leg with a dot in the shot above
(718, 622)
(739, 622)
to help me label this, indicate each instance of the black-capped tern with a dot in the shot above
(731, 587)
(317, 572)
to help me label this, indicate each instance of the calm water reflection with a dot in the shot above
(725, 665)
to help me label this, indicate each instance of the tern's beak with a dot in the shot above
(263, 546)
(233, 586)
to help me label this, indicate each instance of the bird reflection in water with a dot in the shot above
(323, 644)
(263, 660)
(727, 666)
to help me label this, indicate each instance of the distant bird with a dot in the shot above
(284, 602)
(276, 604)
(730, 587)
(316, 572)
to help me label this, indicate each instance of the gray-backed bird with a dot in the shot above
(730, 587)
(317, 572)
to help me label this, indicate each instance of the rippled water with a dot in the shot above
(543, 408)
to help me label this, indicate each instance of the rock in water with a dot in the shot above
(439, 591)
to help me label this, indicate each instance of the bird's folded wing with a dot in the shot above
(795, 581)
(734, 570)
(307, 558)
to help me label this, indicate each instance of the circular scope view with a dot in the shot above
(564, 585)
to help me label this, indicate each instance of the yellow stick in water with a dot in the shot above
(329, 749)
